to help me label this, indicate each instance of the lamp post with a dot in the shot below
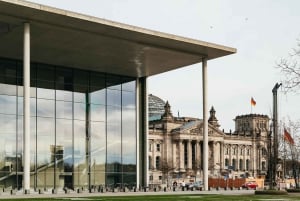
(275, 132)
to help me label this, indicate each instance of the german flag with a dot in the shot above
(253, 102)
(288, 137)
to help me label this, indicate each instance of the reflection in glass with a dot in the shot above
(64, 153)
(79, 93)
(45, 90)
(79, 111)
(98, 112)
(98, 153)
(98, 97)
(44, 149)
(45, 108)
(64, 109)
(129, 86)
(80, 151)
(8, 104)
(113, 97)
(113, 146)
(129, 137)
(82, 125)
(64, 95)
(8, 89)
(128, 100)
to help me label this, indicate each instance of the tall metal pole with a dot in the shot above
(275, 131)
(26, 106)
(205, 124)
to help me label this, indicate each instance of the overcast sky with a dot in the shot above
(263, 31)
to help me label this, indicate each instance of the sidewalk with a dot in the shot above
(73, 194)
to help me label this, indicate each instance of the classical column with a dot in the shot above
(198, 155)
(189, 154)
(205, 124)
(253, 158)
(222, 155)
(181, 155)
(174, 151)
(26, 107)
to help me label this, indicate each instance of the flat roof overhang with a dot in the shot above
(65, 38)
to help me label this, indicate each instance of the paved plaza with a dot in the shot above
(73, 194)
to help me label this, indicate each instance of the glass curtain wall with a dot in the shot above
(82, 127)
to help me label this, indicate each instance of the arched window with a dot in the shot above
(241, 164)
(157, 162)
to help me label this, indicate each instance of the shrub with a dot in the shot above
(297, 190)
(270, 192)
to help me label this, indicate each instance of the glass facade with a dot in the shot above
(83, 127)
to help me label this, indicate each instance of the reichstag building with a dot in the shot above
(176, 144)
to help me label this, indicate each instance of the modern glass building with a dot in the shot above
(73, 96)
(82, 127)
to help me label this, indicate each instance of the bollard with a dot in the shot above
(13, 192)
(41, 191)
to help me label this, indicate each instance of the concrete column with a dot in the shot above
(26, 107)
(189, 154)
(205, 124)
(142, 131)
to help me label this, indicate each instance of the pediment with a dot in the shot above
(196, 128)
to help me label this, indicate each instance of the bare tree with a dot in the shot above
(290, 68)
(292, 150)
(166, 168)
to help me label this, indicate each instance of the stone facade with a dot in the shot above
(176, 144)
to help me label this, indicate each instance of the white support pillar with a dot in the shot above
(26, 106)
(205, 124)
(137, 130)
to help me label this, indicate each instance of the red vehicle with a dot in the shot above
(250, 185)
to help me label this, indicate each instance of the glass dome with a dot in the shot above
(156, 106)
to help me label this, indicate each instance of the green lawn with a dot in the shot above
(179, 198)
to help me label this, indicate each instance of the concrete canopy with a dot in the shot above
(65, 38)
